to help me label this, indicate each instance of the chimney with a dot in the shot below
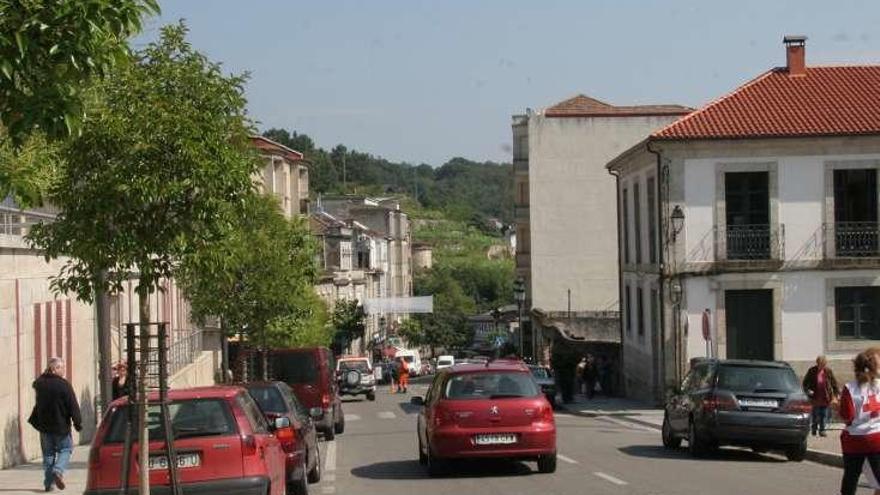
(795, 47)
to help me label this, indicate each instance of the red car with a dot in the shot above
(301, 441)
(223, 444)
(492, 410)
(311, 373)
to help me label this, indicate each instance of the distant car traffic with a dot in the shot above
(544, 378)
(251, 460)
(756, 404)
(445, 362)
(356, 377)
(493, 410)
(300, 441)
(310, 372)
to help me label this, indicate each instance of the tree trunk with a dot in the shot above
(143, 360)
(102, 309)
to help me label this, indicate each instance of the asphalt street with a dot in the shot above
(603, 455)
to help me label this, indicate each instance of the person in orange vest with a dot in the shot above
(403, 380)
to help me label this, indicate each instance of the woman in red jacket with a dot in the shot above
(860, 410)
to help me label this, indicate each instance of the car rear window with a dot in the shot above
(299, 367)
(269, 398)
(359, 365)
(190, 418)
(757, 379)
(490, 385)
(444, 362)
(540, 373)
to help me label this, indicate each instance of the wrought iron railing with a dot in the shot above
(751, 242)
(856, 239)
(184, 350)
(14, 221)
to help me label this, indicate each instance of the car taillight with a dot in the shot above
(287, 437)
(715, 403)
(799, 406)
(442, 417)
(545, 415)
(248, 445)
(325, 401)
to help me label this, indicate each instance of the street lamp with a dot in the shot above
(519, 293)
(677, 221)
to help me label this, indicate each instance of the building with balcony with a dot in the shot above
(285, 176)
(749, 227)
(565, 211)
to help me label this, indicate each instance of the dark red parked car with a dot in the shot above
(311, 373)
(492, 410)
(224, 445)
(300, 442)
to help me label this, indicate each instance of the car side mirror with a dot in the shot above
(316, 412)
(417, 401)
(281, 422)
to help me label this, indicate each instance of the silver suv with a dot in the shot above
(355, 376)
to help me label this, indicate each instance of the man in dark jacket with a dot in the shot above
(821, 387)
(53, 413)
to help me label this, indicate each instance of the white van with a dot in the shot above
(445, 362)
(412, 358)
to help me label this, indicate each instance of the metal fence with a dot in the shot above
(17, 222)
(750, 242)
(856, 239)
(184, 350)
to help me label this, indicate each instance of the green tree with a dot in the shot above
(259, 279)
(447, 326)
(50, 48)
(27, 171)
(348, 323)
(151, 176)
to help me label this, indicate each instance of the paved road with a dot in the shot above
(377, 456)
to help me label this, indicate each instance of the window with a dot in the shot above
(748, 215)
(628, 310)
(856, 312)
(269, 398)
(625, 225)
(640, 312)
(652, 220)
(637, 217)
(488, 384)
(757, 379)
(294, 367)
(855, 212)
(189, 418)
(253, 413)
(655, 312)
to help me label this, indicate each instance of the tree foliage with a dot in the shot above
(27, 171)
(154, 172)
(50, 48)
(258, 278)
(348, 323)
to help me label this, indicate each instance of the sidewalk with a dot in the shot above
(824, 450)
(28, 478)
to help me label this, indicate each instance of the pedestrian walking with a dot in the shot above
(821, 387)
(579, 375)
(120, 386)
(590, 377)
(394, 374)
(55, 409)
(860, 410)
(403, 381)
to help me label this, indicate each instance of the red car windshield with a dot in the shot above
(490, 385)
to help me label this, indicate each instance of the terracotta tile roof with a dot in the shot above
(271, 147)
(584, 106)
(826, 101)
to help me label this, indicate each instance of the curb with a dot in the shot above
(824, 457)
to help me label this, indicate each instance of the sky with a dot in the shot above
(425, 81)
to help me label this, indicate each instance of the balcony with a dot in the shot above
(747, 243)
(856, 239)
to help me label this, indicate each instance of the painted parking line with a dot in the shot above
(566, 459)
(627, 424)
(611, 479)
(352, 417)
(330, 460)
(387, 415)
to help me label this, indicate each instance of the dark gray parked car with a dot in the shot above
(756, 404)
(544, 378)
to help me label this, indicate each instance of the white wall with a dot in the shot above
(573, 213)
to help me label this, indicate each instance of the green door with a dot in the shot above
(749, 317)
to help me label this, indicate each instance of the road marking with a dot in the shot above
(328, 489)
(387, 415)
(352, 417)
(612, 479)
(628, 424)
(566, 459)
(330, 478)
(330, 460)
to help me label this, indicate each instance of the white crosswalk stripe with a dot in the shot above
(566, 459)
(352, 417)
(387, 415)
(609, 478)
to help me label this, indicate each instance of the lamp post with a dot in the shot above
(676, 292)
(519, 293)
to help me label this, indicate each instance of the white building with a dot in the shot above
(565, 203)
(760, 211)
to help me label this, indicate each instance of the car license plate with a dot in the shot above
(767, 403)
(502, 439)
(183, 461)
